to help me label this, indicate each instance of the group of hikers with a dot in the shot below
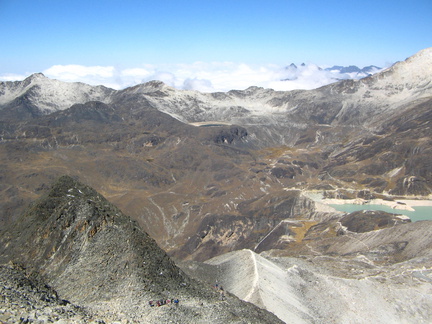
(162, 302)
(221, 291)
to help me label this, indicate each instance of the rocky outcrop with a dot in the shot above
(94, 256)
(263, 223)
(392, 244)
(227, 136)
(26, 300)
(365, 221)
(70, 227)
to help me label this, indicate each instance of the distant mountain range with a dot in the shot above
(371, 69)
(343, 69)
(205, 174)
(336, 72)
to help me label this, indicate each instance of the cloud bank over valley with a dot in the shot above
(201, 76)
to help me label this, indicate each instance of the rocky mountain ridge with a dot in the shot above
(407, 78)
(94, 256)
(26, 300)
(363, 72)
(73, 256)
(39, 95)
(319, 287)
(209, 174)
(198, 171)
(349, 102)
(357, 103)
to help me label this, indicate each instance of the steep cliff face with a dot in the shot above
(93, 255)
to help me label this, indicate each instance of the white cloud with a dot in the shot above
(94, 75)
(12, 77)
(136, 72)
(201, 76)
(79, 71)
(198, 84)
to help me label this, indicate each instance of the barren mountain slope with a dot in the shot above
(219, 186)
(94, 256)
(38, 95)
(381, 276)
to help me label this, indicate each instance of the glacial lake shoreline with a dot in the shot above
(418, 213)
(415, 209)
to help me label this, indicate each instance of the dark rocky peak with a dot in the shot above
(292, 66)
(335, 67)
(370, 69)
(93, 255)
(354, 69)
(86, 247)
(73, 231)
(344, 69)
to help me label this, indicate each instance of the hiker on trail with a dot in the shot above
(222, 294)
(162, 302)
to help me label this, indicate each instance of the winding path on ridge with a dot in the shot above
(255, 277)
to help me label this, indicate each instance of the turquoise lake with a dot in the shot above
(420, 213)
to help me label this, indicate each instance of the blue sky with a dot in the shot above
(157, 36)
